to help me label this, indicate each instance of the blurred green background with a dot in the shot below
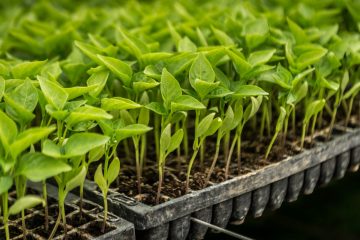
(331, 212)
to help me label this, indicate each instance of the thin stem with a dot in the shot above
(303, 136)
(142, 152)
(157, 136)
(56, 225)
(191, 162)
(286, 125)
(63, 218)
(238, 158)
(202, 155)
(5, 215)
(313, 125)
(44, 189)
(348, 114)
(293, 118)
(105, 212)
(137, 162)
(185, 139)
(262, 124)
(271, 145)
(160, 169)
(233, 143)
(213, 164)
(81, 193)
(333, 118)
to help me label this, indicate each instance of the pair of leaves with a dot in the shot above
(76, 145)
(168, 142)
(313, 109)
(112, 172)
(171, 93)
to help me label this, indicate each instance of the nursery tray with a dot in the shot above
(232, 200)
(87, 229)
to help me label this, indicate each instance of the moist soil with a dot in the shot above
(252, 159)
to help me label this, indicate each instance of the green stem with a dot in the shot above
(239, 154)
(348, 114)
(271, 145)
(105, 212)
(303, 133)
(142, 152)
(160, 169)
(213, 164)
(286, 126)
(137, 163)
(5, 215)
(185, 139)
(44, 189)
(228, 160)
(333, 118)
(56, 225)
(191, 162)
(157, 135)
(63, 215)
(293, 118)
(313, 125)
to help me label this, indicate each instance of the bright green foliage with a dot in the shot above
(110, 84)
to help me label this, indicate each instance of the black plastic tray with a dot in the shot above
(232, 200)
(92, 213)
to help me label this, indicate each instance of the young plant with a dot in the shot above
(168, 144)
(278, 128)
(312, 111)
(72, 150)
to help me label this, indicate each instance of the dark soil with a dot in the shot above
(76, 221)
(14, 232)
(252, 158)
(76, 236)
(95, 229)
(35, 221)
(46, 234)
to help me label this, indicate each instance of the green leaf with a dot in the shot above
(118, 103)
(113, 170)
(97, 79)
(169, 87)
(227, 121)
(76, 92)
(204, 125)
(8, 130)
(260, 57)
(201, 69)
(50, 148)
(25, 95)
(2, 87)
(5, 184)
(222, 37)
(25, 202)
(77, 180)
(100, 180)
(86, 113)
(165, 139)
(186, 45)
(249, 90)
(54, 94)
(121, 69)
(157, 108)
(17, 111)
(354, 90)
(214, 126)
(175, 141)
(299, 34)
(38, 167)
(252, 109)
(96, 154)
(185, 103)
(27, 69)
(241, 65)
(80, 143)
(203, 88)
(131, 131)
(30, 136)
(313, 108)
(89, 50)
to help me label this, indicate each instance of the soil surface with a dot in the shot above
(252, 158)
